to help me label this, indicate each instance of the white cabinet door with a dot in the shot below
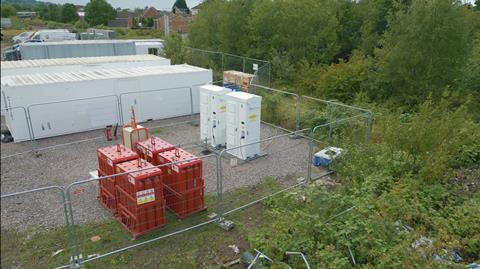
(232, 127)
(204, 116)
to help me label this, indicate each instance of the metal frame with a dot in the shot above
(66, 211)
(292, 253)
(27, 121)
(67, 101)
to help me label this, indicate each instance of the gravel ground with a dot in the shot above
(285, 160)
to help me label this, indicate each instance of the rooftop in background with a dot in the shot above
(66, 42)
(36, 79)
(77, 61)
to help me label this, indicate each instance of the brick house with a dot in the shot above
(151, 12)
(123, 19)
(173, 22)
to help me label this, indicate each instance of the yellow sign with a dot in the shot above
(253, 117)
(145, 196)
(223, 108)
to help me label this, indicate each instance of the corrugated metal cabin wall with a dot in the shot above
(76, 49)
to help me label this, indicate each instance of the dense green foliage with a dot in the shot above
(98, 12)
(405, 50)
(424, 49)
(410, 176)
(69, 13)
(416, 63)
(46, 11)
(7, 11)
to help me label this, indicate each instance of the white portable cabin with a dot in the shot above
(213, 109)
(148, 46)
(75, 48)
(70, 102)
(10, 68)
(243, 124)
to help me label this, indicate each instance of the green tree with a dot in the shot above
(174, 48)
(42, 10)
(99, 12)
(149, 22)
(80, 25)
(342, 81)
(424, 49)
(408, 178)
(304, 30)
(7, 11)
(228, 33)
(69, 13)
(53, 12)
(204, 31)
(470, 79)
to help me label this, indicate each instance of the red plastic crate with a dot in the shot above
(150, 148)
(183, 176)
(186, 203)
(108, 159)
(140, 200)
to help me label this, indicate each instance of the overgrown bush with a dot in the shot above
(340, 81)
(405, 185)
(173, 48)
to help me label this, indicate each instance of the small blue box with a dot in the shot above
(233, 87)
(325, 156)
(318, 161)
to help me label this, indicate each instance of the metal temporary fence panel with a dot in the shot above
(16, 119)
(183, 176)
(76, 101)
(140, 200)
(70, 117)
(184, 183)
(167, 103)
(167, 95)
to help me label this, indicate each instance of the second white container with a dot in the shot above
(243, 124)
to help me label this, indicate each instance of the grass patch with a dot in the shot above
(204, 247)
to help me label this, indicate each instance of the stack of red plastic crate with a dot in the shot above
(140, 201)
(108, 159)
(150, 148)
(183, 182)
(136, 198)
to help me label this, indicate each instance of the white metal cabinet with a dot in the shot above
(213, 114)
(243, 124)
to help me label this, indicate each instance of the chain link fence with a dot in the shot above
(220, 62)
